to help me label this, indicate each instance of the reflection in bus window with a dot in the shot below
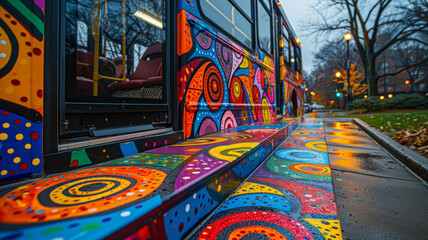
(265, 28)
(120, 58)
(286, 48)
(227, 17)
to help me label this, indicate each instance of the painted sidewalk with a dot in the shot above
(290, 196)
(100, 200)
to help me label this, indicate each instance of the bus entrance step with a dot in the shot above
(289, 196)
(159, 194)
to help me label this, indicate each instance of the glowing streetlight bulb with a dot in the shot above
(348, 36)
(407, 82)
(338, 74)
(390, 95)
(382, 97)
(365, 96)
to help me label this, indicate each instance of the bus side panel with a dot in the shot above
(21, 88)
(220, 85)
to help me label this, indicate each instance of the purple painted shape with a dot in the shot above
(40, 3)
(262, 172)
(197, 169)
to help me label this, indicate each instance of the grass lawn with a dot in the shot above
(393, 121)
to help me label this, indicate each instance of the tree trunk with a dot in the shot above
(370, 72)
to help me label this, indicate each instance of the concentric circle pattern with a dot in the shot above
(82, 192)
(313, 169)
(300, 155)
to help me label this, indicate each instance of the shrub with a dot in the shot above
(370, 104)
(400, 101)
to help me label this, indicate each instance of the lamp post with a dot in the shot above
(348, 37)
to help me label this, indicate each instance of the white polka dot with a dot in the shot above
(58, 238)
(3, 55)
(54, 211)
(130, 194)
(93, 210)
(125, 214)
(196, 172)
(308, 195)
(187, 207)
(142, 190)
(194, 196)
(185, 178)
(3, 42)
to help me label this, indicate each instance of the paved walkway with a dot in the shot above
(377, 197)
(290, 196)
(180, 184)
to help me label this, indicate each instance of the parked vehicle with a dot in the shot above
(308, 108)
(317, 106)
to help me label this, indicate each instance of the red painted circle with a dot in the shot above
(23, 166)
(37, 51)
(24, 99)
(17, 121)
(15, 82)
(74, 163)
(34, 135)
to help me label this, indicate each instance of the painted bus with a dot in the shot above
(88, 87)
(87, 81)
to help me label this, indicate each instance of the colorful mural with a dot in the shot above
(290, 196)
(112, 195)
(221, 85)
(21, 86)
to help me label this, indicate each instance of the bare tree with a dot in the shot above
(366, 20)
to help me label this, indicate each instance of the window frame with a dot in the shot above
(269, 11)
(168, 104)
(285, 30)
(251, 20)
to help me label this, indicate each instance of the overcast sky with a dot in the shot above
(299, 11)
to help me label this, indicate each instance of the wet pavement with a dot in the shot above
(377, 197)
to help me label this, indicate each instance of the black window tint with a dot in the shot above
(293, 57)
(298, 59)
(265, 28)
(246, 6)
(225, 15)
(286, 47)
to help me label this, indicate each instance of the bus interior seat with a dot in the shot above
(84, 73)
(146, 82)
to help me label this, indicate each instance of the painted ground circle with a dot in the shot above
(78, 193)
(312, 169)
(299, 155)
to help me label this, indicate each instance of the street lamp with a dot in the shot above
(338, 74)
(348, 37)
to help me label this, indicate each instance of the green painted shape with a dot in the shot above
(82, 157)
(91, 226)
(52, 230)
(163, 160)
(29, 14)
(281, 167)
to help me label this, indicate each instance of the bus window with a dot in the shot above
(226, 16)
(264, 27)
(292, 56)
(298, 59)
(115, 55)
(286, 48)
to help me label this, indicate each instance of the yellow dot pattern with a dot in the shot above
(329, 228)
(3, 136)
(36, 161)
(19, 136)
(10, 150)
(249, 187)
(17, 160)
